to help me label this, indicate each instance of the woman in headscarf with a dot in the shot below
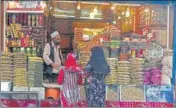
(97, 68)
(68, 78)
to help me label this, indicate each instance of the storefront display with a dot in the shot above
(136, 38)
(20, 71)
(35, 72)
(7, 72)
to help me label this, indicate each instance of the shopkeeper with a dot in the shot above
(53, 58)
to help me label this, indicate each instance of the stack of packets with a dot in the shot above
(114, 32)
(137, 70)
(153, 76)
(111, 78)
(20, 64)
(35, 71)
(123, 72)
(84, 58)
(7, 72)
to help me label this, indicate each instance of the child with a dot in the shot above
(68, 77)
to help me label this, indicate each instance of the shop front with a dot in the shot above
(138, 40)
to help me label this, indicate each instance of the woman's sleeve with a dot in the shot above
(60, 78)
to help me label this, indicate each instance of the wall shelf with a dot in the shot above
(20, 11)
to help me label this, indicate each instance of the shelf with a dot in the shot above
(19, 11)
(154, 25)
(22, 47)
(32, 26)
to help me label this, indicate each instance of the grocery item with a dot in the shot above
(20, 69)
(162, 93)
(112, 92)
(137, 70)
(111, 78)
(35, 71)
(132, 93)
(123, 72)
(7, 70)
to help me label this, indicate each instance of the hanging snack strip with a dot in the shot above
(123, 72)
(20, 63)
(137, 73)
(35, 71)
(112, 77)
(7, 73)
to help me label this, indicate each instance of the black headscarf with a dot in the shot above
(98, 61)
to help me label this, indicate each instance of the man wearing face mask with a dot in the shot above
(53, 57)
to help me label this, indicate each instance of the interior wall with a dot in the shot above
(171, 30)
(2, 25)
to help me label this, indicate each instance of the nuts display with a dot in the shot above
(132, 93)
(112, 93)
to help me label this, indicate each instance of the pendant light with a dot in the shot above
(95, 10)
(146, 10)
(79, 6)
(119, 17)
(91, 15)
(128, 12)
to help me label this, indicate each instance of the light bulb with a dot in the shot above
(114, 22)
(146, 10)
(123, 13)
(91, 15)
(95, 10)
(112, 7)
(128, 13)
(94, 33)
(119, 17)
(78, 7)
(43, 5)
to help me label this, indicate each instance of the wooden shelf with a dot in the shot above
(20, 11)
(32, 26)
(154, 25)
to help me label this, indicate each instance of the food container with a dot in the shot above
(112, 92)
(132, 93)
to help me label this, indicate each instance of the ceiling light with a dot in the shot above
(94, 33)
(128, 12)
(119, 17)
(114, 22)
(112, 7)
(146, 10)
(78, 7)
(91, 15)
(43, 5)
(123, 13)
(95, 10)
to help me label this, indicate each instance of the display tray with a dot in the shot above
(112, 92)
(132, 93)
(163, 93)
